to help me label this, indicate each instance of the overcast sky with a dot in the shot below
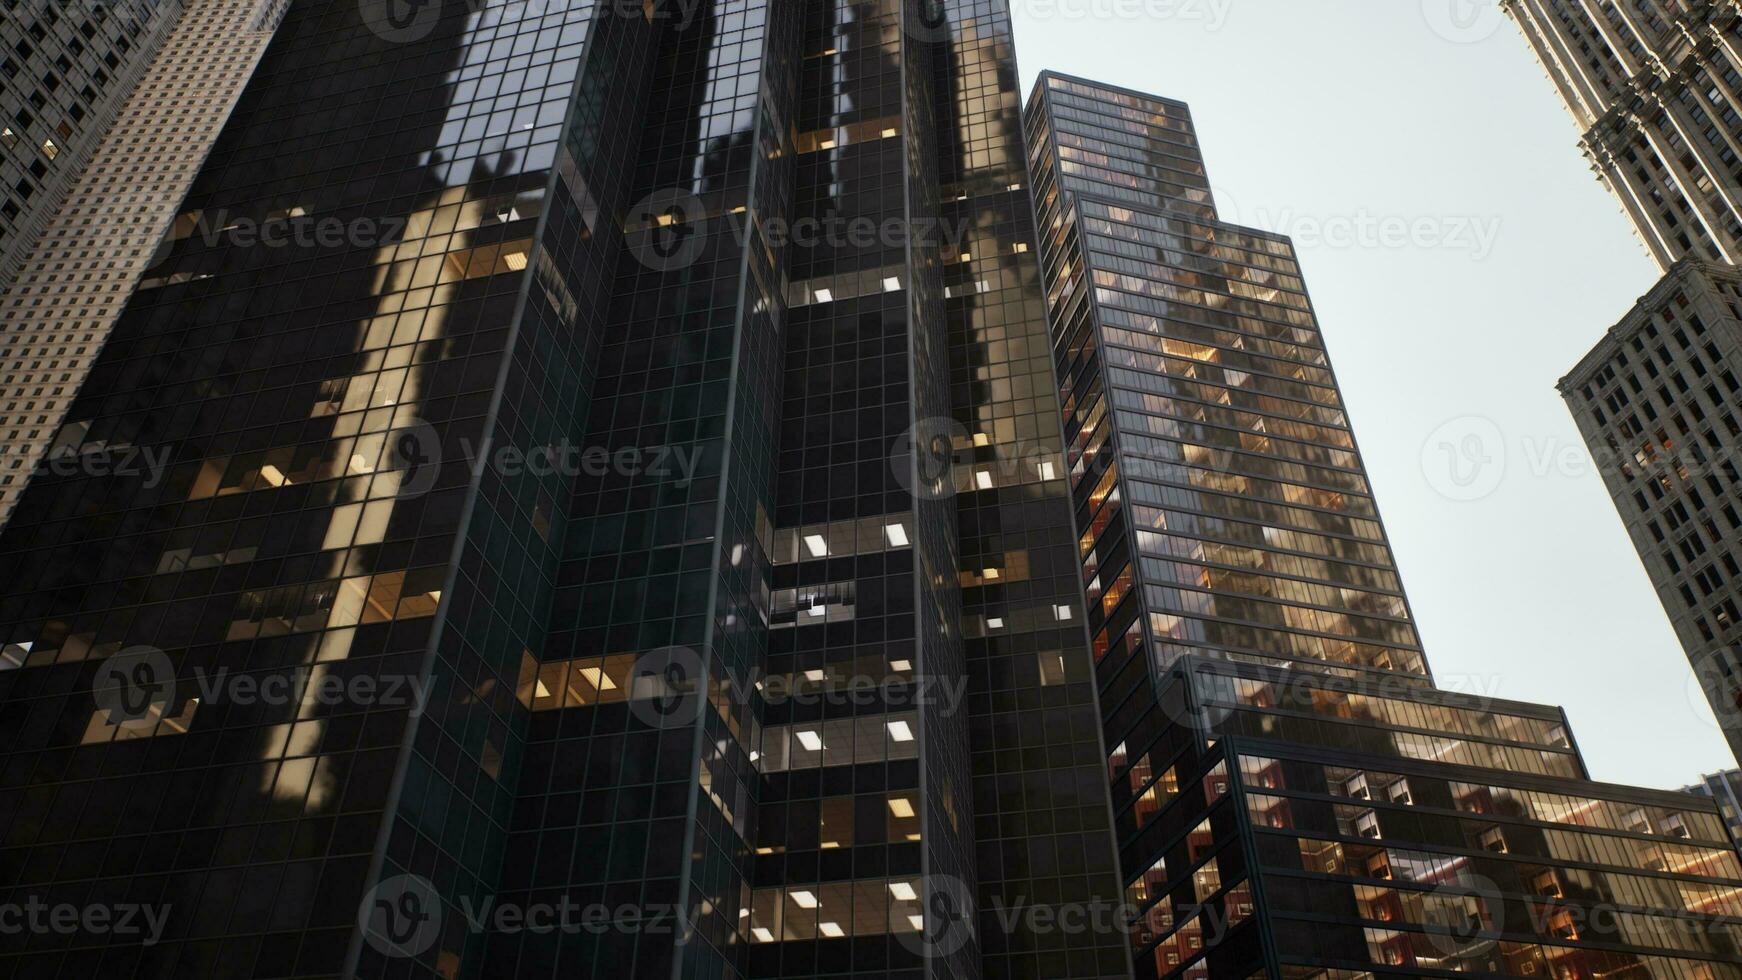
(1462, 257)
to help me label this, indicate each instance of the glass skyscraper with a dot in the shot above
(594, 454)
(1293, 796)
(1726, 789)
(627, 489)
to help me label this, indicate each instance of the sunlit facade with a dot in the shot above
(1655, 89)
(66, 70)
(1659, 402)
(1293, 796)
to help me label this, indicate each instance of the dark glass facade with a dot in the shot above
(1293, 796)
(631, 528)
(634, 495)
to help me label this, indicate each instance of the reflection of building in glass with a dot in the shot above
(1655, 87)
(417, 619)
(826, 683)
(1293, 796)
(1726, 789)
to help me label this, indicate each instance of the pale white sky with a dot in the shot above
(1462, 257)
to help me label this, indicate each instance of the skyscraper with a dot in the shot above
(581, 491)
(1659, 401)
(1293, 795)
(65, 71)
(597, 458)
(1726, 788)
(75, 279)
(1654, 87)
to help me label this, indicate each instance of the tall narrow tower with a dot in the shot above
(1293, 795)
